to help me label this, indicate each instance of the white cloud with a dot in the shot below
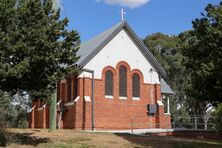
(126, 3)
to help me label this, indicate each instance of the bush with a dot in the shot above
(3, 133)
(23, 124)
(3, 137)
(218, 120)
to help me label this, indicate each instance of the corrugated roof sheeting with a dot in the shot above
(165, 88)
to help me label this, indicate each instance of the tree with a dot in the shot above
(7, 31)
(36, 49)
(203, 50)
(162, 46)
(218, 117)
(167, 50)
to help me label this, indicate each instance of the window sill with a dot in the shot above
(123, 98)
(136, 98)
(40, 109)
(160, 103)
(72, 102)
(77, 99)
(87, 98)
(69, 104)
(108, 97)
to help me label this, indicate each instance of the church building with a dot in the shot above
(120, 85)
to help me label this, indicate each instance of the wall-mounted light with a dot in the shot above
(151, 70)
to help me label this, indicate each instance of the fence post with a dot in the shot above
(195, 121)
(132, 125)
(206, 118)
(175, 120)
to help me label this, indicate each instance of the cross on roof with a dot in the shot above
(122, 14)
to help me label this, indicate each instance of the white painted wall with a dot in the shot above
(122, 48)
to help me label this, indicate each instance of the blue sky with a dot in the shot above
(91, 17)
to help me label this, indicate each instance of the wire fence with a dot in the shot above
(190, 122)
(166, 121)
(203, 122)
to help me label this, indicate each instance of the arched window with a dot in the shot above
(136, 85)
(109, 83)
(75, 87)
(69, 87)
(122, 81)
(62, 92)
(58, 91)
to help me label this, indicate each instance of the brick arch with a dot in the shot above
(137, 71)
(107, 68)
(128, 69)
(123, 63)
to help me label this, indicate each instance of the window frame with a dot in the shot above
(69, 89)
(109, 84)
(122, 82)
(136, 88)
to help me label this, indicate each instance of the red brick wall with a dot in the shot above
(112, 113)
(116, 113)
(39, 118)
(168, 121)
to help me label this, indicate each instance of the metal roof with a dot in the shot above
(90, 48)
(165, 88)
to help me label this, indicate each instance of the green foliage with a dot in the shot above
(12, 115)
(203, 52)
(167, 50)
(36, 52)
(14, 110)
(193, 61)
(36, 49)
(181, 118)
(163, 47)
(3, 136)
(218, 117)
(5, 109)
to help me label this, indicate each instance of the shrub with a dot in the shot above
(218, 120)
(3, 137)
(23, 124)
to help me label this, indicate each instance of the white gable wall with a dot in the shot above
(122, 48)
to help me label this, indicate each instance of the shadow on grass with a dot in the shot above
(167, 142)
(27, 139)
